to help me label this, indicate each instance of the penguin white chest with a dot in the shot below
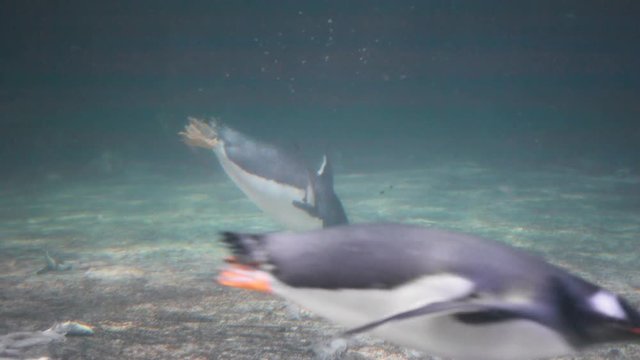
(355, 307)
(437, 334)
(274, 198)
(505, 340)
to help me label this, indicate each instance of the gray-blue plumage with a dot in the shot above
(263, 159)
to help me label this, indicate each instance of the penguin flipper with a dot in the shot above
(443, 307)
(308, 208)
(429, 309)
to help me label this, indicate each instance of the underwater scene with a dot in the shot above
(405, 180)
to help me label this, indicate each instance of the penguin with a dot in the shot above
(278, 182)
(445, 293)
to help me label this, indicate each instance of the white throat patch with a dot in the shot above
(608, 304)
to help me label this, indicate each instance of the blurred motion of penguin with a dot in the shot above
(445, 293)
(278, 182)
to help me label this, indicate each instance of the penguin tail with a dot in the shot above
(200, 134)
(246, 249)
(243, 269)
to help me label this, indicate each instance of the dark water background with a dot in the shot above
(380, 83)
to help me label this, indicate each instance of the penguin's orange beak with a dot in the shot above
(245, 277)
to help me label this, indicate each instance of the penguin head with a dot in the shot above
(602, 316)
(608, 317)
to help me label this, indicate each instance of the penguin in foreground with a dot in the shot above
(444, 293)
(277, 182)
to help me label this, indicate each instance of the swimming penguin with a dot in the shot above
(445, 293)
(277, 182)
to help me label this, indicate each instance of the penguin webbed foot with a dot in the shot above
(199, 134)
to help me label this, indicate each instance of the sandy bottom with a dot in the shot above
(144, 254)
